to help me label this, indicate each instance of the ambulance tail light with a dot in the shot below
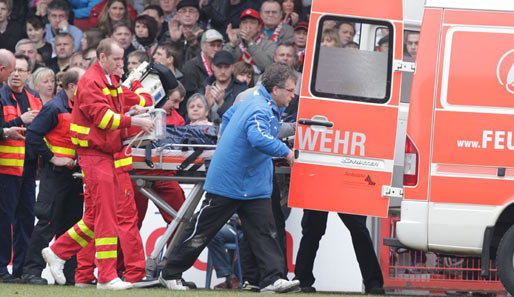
(410, 167)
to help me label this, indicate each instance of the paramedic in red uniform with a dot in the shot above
(97, 120)
(60, 199)
(17, 172)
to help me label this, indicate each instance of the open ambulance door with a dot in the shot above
(349, 108)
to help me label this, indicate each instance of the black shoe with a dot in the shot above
(33, 280)
(7, 278)
(146, 282)
(308, 289)
(190, 285)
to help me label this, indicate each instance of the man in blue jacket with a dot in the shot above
(240, 180)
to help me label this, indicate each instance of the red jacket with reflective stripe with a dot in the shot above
(97, 117)
(141, 97)
(12, 152)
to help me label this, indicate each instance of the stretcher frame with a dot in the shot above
(181, 217)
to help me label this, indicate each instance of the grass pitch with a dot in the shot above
(16, 290)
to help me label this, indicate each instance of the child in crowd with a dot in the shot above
(330, 38)
(35, 28)
(243, 72)
(134, 59)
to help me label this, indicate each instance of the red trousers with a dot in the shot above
(131, 255)
(170, 191)
(99, 221)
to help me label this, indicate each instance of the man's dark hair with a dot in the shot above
(65, 35)
(157, 8)
(36, 22)
(24, 57)
(172, 50)
(277, 74)
(68, 77)
(141, 56)
(284, 44)
(59, 5)
(272, 1)
(122, 23)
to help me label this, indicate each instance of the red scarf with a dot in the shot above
(207, 66)
(246, 57)
(276, 33)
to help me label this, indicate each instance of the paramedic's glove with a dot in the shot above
(290, 158)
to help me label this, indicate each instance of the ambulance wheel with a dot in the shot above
(505, 260)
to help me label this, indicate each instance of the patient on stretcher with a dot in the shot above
(198, 131)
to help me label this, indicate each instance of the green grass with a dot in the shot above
(15, 290)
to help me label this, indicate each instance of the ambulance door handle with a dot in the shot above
(307, 122)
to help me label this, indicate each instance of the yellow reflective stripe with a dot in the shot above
(106, 254)
(114, 93)
(116, 121)
(12, 149)
(60, 150)
(106, 118)
(75, 236)
(106, 241)
(79, 129)
(142, 101)
(11, 162)
(79, 142)
(85, 229)
(123, 162)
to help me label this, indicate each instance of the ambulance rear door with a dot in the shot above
(349, 108)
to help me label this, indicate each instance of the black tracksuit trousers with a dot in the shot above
(258, 227)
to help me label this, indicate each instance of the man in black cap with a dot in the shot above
(222, 87)
(184, 30)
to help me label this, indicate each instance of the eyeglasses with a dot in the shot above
(288, 90)
(20, 71)
(271, 12)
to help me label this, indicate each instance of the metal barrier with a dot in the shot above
(417, 270)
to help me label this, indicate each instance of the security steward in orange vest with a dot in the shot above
(17, 172)
(97, 120)
(60, 199)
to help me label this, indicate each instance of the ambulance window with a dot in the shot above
(352, 59)
(410, 48)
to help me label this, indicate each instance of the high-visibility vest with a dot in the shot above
(58, 139)
(12, 152)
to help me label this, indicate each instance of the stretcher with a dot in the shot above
(193, 165)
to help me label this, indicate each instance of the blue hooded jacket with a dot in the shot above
(242, 167)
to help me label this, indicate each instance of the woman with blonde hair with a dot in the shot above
(43, 81)
(113, 12)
